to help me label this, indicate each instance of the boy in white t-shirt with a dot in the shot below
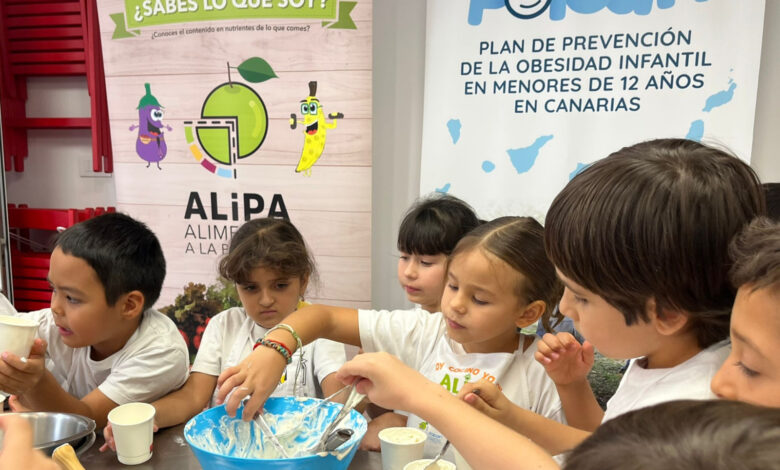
(640, 241)
(104, 345)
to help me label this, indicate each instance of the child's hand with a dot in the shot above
(17, 375)
(385, 380)
(17, 449)
(16, 405)
(108, 436)
(564, 358)
(487, 398)
(256, 376)
(386, 420)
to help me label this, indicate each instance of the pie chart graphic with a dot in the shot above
(232, 126)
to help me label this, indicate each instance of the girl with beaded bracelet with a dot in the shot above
(271, 266)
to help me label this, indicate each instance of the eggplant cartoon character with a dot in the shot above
(150, 145)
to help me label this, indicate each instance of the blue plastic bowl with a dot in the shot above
(209, 436)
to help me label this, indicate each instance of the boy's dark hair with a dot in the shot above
(125, 254)
(654, 220)
(434, 225)
(755, 253)
(519, 242)
(269, 243)
(684, 435)
(772, 192)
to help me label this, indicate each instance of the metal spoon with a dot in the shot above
(271, 436)
(433, 465)
(284, 434)
(353, 399)
(268, 433)
(336, 438)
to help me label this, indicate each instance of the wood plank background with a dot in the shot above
(331, 208)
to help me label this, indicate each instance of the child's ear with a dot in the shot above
(132, 304)
(304, 283)
(531, 313)
(667, 322)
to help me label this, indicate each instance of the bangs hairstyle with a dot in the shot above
(124, 253)
(684, 435)
(269, 243)
(434, 225)
(654, 220)
(755, 253)
(519, 242)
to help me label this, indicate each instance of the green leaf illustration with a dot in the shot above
(256, 70)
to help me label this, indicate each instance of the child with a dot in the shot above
(499, 279)
(640, 240)
(428, 233)
(684, 435)
(106, 345)
(677, 435)
(271, 266)
(752, 372)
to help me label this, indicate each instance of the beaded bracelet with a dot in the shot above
(289, 351)
(276, 347)
(289, 329)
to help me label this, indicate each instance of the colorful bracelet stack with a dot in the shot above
(289, 329)
(276, 346)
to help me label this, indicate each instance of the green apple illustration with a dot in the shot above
(238, 101)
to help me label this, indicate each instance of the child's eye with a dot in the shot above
(426, 263)
(452, 287)
(404, 257)
(248, 287)
(72, 300)
(581, 300)
(479, 302)
(282, 285)
(746, 370)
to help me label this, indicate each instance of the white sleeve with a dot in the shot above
(327, 357)
(147, 375)
(6, 308)
(411, 335)
(209, 358)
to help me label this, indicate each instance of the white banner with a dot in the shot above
(520, 95)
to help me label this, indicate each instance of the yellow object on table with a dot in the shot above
(66, 458)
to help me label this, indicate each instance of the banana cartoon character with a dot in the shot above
(314, 131)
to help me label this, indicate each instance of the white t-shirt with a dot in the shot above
(152, 363)
(419, 339)
(690, 380)
(230, 337)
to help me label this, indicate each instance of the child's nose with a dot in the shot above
(411, 270)
(457, 303)
(721, 385)
(56, 305)
(266, 299)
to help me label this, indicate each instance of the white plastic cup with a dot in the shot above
(422, 463)
(460, 462)
(16, 336)
(133, 428)
(401, 445)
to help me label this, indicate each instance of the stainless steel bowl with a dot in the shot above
(51, 430)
